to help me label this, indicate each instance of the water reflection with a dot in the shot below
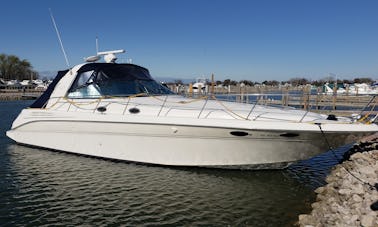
(49, 188)
(312, 172)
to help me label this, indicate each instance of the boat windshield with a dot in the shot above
(107, 79)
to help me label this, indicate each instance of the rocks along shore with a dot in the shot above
(350, 197)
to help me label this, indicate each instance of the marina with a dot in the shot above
(242, 113)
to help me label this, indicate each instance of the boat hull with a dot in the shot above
(178, 145)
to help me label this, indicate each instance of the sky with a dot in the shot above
(232, 39)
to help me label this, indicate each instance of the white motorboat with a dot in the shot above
(355, 89)
(362, 89)
(200, 86)
(117, 111)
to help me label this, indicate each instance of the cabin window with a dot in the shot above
(115, 80)
(85, 86)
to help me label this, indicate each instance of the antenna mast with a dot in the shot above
(96, 44)
(60, 40)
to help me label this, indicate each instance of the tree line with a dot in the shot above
(14, 68)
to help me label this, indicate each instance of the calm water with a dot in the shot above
(39, 187)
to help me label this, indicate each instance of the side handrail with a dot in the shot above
(162, 106)
(203, 107)
(166, 105)
(253, 107)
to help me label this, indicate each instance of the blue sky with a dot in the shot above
(236, 39)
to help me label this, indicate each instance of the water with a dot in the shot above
(44, 188)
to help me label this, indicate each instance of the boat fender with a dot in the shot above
(332, 117)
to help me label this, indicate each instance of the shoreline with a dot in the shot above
(350, 197)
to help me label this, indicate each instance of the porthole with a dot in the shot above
(134, 110)
(239, 133)
(289, 134)
(101, 109)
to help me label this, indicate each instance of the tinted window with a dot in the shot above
(115, 80)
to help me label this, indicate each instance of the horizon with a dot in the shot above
(238, 40)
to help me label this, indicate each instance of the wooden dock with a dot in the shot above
(14, 96)
(298, 97)
(319, 101)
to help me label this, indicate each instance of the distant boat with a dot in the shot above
(40, 87)
(13, 82)
(355, 89)
(330, 91)
(38, 82)
(362, 89)
(25, 82)
(200, 86)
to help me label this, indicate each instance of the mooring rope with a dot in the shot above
(371, 187)
(371, 110)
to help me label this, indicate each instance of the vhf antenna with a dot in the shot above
(60, 40)
(96, 44)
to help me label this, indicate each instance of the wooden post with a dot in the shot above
(317, 97)
(287, 96)
(212, 83)
(347, 89)
(259, 98)
(190, 90)
(241, 93)
(305, 98)
(334, 96)
(302, 102)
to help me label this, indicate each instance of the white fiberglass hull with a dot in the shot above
(159, 141)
